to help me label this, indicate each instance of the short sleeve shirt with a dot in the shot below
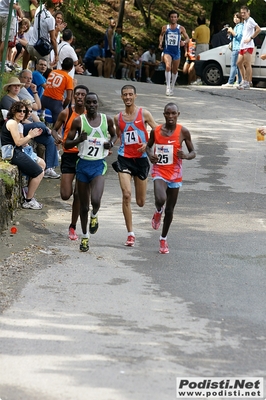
(57, 82)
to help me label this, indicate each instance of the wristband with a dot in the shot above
(34, 92)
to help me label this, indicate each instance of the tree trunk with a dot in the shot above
(147, 18)
(221, 13)
(121, 13)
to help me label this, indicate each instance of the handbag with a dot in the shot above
(42, 46)
(7, 152)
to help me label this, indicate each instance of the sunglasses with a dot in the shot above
(22, 111)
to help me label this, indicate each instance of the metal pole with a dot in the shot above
(6, 42)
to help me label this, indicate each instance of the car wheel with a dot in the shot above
(212, 75)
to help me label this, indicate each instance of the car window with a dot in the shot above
(259, 39)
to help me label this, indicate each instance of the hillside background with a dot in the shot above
(90, 21)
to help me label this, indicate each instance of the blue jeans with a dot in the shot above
(51, 156)
(234, 69)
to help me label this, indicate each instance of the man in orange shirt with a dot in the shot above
(167, 159)
(58, 82)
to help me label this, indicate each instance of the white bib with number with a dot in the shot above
(172, 39)
(164, 153)
(131, 137)
(93, 149)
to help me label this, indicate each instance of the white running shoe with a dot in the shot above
(167, 91)
(50, 173)
(32, 205)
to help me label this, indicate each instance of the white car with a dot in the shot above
(213, 66)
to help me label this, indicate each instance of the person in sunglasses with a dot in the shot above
(12, 134)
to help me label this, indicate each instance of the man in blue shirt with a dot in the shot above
(37, 76)
(95, 58)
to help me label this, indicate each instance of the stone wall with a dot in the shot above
(10, 193)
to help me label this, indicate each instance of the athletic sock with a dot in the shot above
(168, 78)
(174, 78)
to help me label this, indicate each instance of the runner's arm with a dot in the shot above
(58, 124)
(161, 37)
(75, 136)
(112, 133)
(185, 134)
(153, 157)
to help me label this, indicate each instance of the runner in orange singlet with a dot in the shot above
(70, 156)
(166, 157)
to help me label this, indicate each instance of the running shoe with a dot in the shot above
(171, 93)
(167, 93)
(94, 225)
(32, 205)
(72, 234)
(130, 241)
(244, 86)
(84, 245)
(164, 249)
(50, 173)
(156, 219)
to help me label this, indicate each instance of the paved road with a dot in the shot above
(122, 323)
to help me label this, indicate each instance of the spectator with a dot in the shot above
(25, 7)
(126, 61)
(60, 25)
(236, 34)
(25, 77)
(118, 47)
(51, 157)
(21, 41)
(149, 63)
(37, 76)
(95, 57)
(221, 38)
(66, 50)
(4, 11)
(12, 87)
(33, 7)
(250, 31)
(11, 135)
(109, 49)
(202, 36)
(47, 31)
(58, 82)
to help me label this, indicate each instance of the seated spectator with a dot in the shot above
(33, 7)
(12, 87)
(21, 41)
(125, 58)
(131, 65)
(95, 58)
(51, 157)
(11, 135)
(25, 77)
(37, 77)
(149, 63)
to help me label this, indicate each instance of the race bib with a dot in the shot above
(131, 137)
(164, 153)
(93, 149)
(172, 39)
